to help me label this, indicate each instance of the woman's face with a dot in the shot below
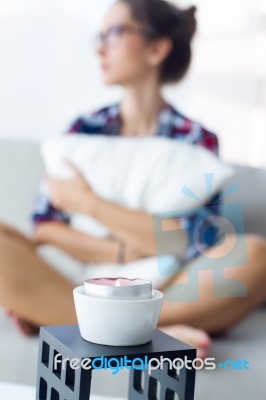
(125, 53)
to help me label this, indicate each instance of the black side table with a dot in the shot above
(63, 382)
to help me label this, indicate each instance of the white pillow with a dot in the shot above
(140, 173)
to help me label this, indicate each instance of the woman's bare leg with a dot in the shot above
(15, 234)
(31, 288)
(211, 312)
(35, 294)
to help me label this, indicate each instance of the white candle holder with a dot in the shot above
(117, 315)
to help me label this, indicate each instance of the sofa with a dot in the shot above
(20, 171)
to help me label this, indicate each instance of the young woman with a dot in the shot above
(143, 44)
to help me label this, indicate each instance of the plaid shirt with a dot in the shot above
(171, 124)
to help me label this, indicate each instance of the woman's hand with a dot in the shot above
(72, 195)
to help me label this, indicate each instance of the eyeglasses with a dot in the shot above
(113, 35)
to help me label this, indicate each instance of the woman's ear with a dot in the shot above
(159, 50)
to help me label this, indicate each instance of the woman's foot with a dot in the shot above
(24, 327)
(195, 337)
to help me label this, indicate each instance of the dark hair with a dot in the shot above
(164, 19)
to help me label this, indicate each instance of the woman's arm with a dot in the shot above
(82, 246)
(145, 232)
(138, 229)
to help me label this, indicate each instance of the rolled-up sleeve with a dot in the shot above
(44, 211)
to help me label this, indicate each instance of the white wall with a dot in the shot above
(49, 73)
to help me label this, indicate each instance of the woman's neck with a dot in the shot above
(140, 109)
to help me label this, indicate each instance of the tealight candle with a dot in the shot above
(117, 311)
(119, 288)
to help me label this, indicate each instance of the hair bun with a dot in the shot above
(189, 14)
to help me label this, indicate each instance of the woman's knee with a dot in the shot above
(256, 245)
(253, 244)
(3, 229)
(6, 231)
(4, 237)
(6, 246)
